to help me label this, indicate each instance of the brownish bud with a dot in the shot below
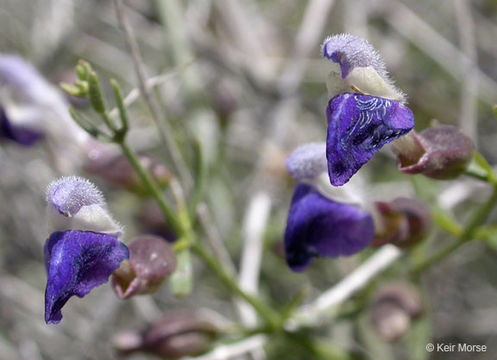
(393, 308)
(151, 260)
(117, 171)
(441, 152)
(403, 222)
(172, 337)
(150, 220)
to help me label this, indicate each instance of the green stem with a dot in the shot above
(271, 317)
(466, 235)
(183, 229)
(152, 187)
(476, 175)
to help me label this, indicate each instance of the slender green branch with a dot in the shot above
(152, 187)
(469, 231)
(447, 223)
(476, 175)
(165, 129)
(123, 115)
(180, 220)
(271, 317)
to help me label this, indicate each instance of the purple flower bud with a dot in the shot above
(358, 126)
(307, 161)
(151, 261)
(320, 227)
(171, 337)
(76, 262)
(393, 308)
(440, 152)
(117, 171)
(404, 222)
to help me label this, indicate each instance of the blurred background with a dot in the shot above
(245, 79)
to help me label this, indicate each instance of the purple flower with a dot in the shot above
(76, 262)
(83, 249)
(34, 109)
(320, 227)
(19, 134)
(358, 126)
(365, 112)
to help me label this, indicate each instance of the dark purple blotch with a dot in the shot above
(320, 227)
(76, 262)
(359, 126)
(19, 134)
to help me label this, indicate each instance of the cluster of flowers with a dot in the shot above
(365, 113)
(327, 217)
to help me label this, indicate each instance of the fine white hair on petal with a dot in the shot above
(307, 161)
(350, 193)
(74, 203)
(362, 67)
(70, 193)
(356, 51)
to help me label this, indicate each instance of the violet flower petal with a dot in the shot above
(320, 227)
(77, 262)
(358, 126)
(19, 134)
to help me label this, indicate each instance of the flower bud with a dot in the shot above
(151, 260)
(440, 152)
(172, 337)
(393, 308)
(402, 222)
(116, 170)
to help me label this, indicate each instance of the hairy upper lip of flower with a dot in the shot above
(362, 68)
(75, 203)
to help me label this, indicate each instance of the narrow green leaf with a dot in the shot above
(120, 106)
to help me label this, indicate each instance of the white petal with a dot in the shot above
(89, 218)
(366, 80)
